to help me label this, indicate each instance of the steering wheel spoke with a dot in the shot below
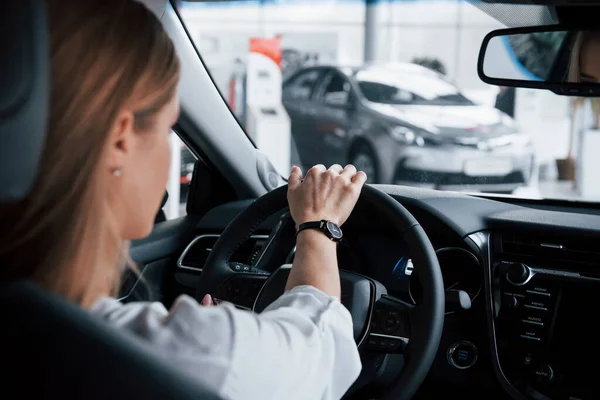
(381, 324)
(390, 326)
(278, 245)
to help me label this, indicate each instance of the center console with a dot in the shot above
(547, 329)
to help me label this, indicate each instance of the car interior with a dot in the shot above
(451, 294)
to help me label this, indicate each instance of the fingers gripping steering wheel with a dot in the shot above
(382, 324)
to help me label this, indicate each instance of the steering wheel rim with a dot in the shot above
(426, 320)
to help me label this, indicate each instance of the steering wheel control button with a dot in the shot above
(241, 290)
(391, 322)
(239, 267)
(391, 317)
(386, 344)
(462, 355)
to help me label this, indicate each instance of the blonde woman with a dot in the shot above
(584, 65)
(101, 181)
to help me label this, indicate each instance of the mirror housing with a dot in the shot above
(551, 57)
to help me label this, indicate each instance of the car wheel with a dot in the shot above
(364, 160)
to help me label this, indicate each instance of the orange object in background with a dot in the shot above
(268, 47)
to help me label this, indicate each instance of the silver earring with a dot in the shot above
(117, 172)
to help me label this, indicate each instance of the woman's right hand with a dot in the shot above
(324, 194)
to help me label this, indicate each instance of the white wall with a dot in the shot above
(449, 30)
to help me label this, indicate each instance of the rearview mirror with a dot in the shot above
(562, 60)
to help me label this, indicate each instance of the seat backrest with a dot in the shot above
(52, 349)
(24, 95)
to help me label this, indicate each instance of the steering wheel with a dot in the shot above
(382, 324)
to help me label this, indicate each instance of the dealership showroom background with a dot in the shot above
(544, 154)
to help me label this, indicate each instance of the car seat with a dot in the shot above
(52, 349)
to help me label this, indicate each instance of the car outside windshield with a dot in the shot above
(392, 87)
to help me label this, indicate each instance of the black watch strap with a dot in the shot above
(331, 230)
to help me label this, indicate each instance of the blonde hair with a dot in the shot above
(575, 62)
(106, 55)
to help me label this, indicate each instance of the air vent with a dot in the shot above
(195, 255)
(558, 248)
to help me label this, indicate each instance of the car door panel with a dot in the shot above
(154, 257)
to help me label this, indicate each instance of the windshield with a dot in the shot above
(407, 88)
(392, 87)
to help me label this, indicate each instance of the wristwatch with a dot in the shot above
(330, 229)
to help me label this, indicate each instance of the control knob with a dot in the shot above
(510, 301)
(517, 274)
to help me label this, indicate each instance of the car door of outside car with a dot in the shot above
(301, 108)
(335, 117)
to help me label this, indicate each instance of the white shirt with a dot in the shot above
(299, 347)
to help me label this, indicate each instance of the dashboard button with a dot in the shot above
(518, 274)
(533, 322)
(537, 308)
(462, 355)
(536, 317)
(544, 374)
(510, 302)
(538, 303)
(528, 359)
(532, 334)
(539, 292)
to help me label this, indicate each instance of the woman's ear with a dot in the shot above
(120, 141)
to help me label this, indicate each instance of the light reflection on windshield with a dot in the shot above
(410, 88)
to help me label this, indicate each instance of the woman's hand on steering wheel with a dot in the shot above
(324, 194)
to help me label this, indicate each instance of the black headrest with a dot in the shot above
(24, 94)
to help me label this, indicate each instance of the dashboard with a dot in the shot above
(386, 259)
(528, 270)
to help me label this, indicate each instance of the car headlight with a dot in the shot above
(406, 136)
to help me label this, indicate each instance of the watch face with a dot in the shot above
(334, 230)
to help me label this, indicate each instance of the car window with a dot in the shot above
(385, 93)
(180, 178)
(385, 87)
(336, 90)
(420, 114)
(301, 86)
